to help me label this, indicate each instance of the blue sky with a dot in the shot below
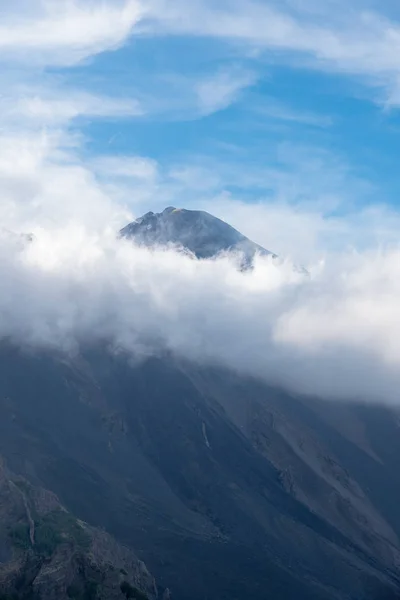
(277, 116)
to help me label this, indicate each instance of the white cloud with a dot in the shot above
(47, 33)
(180, 96)
(304, 231)
(334, 36)
(334, 334)
(43, 182)
(56, 107)
(271, 109)
(64, 32)
(222, 89)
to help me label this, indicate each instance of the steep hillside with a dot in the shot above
(47, 554)
(222, 485)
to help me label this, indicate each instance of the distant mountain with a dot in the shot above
(194, 230)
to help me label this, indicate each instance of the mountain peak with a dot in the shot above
(197, 231)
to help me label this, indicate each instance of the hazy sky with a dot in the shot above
(282, 117)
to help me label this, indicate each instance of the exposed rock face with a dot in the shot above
(192, 230)
(47, 554)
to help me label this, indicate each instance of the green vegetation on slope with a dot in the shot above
(51, 530)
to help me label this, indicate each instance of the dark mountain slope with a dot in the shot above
(178, 463)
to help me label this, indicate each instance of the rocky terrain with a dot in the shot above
(193, 231)
(46, 553)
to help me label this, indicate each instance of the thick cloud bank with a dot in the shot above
(335, 333)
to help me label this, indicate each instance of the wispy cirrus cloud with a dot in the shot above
(61, 32)
(270, 108)
(175, 96)
(58, 106)
(358, 40)
(222, 89)
(38, 41)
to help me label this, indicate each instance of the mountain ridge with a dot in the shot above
(199, 232)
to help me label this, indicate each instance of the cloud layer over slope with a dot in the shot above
(334, 334)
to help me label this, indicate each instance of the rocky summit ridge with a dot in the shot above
(196, 231)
